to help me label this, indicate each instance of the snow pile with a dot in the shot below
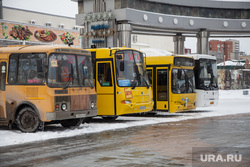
(230, 102)
(231, 63)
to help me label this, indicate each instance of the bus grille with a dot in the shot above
(77, 102)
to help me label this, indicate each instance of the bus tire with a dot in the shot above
(28, 121)
(71, 123)
(109, 118)
(87, 120)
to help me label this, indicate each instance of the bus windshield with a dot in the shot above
(69, 70)
(183, 81)
(207, 74)
(130, 69)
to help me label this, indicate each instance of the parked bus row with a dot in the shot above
(178, 75)
(66, 85)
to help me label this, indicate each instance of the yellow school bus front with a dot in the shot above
(172, 80)
(46, 83)
(121, 83)
(182, 102)
(136, 100)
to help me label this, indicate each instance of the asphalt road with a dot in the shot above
(166, 144)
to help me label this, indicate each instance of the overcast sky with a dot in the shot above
(57, 7)
(70, 9)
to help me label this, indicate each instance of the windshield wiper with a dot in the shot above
(70, 76)
(137, 77)
(212, 78)
(145, 82)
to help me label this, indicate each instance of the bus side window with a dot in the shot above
(104, 74)
(149, 73)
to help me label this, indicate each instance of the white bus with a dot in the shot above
(206, 80)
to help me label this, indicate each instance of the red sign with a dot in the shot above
(128, 93)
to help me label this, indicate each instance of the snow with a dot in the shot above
(231, 63)
(230, 102)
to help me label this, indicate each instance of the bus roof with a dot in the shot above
(162, 60)
(37, 48)
(155, 52)
(113, 48)
(202, 56)
(103, 52)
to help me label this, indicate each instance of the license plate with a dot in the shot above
(211, 102)
(80, 115)
(142, 107)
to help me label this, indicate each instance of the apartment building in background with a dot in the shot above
(225, 50)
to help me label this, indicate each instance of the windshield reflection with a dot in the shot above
(207, 73)
(67, 70)
(130, 69)
(183, 81)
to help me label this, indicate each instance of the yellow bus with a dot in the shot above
(172, 80)
(45, 83)
(121, 83)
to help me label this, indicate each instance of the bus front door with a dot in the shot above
(2, 90)
(105, 88)
(162, 88)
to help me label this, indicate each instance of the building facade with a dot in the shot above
(20, 26)
(177, 19)
(228, 49)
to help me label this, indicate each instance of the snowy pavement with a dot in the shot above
(230, 102)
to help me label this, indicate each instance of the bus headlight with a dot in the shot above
(64, 106)
(93, 105)
(126, 102)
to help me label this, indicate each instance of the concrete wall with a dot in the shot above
(24, 16)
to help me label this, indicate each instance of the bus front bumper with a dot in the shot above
(62, 115)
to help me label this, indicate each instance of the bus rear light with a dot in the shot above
(126, 102)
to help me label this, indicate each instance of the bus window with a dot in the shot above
(130, 69)
(104, 74)
(85, 74)
(62, 70)
(183, 81)
(27, 69)
(162, 85)
(207, 74)
(149, 73)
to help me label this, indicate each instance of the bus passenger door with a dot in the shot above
(162, 88)
(151, 83)
(2, 90)
(105, 88)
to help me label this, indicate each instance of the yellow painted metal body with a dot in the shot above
(109, 99)
(41, 97)
(174, 102)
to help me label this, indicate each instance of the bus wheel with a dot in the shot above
(28, 120)
(87, 120)
(71, 122)
(109, 118)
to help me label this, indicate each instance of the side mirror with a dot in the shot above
(179, 73)
(3, 76)
(122, 66)
(119, 56)
(209, 68)
(40, 67)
